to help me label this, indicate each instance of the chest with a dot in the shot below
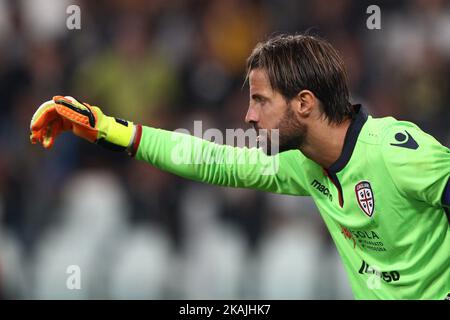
(361, 201)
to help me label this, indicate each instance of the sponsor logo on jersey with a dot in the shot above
(364, 197)
(322, 189)
(386, 276)
(406, 141)
(364, 239)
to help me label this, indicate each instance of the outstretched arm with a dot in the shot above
(181, 154)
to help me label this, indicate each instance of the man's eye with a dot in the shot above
(259, 100)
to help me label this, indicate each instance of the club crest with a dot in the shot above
(364, 195)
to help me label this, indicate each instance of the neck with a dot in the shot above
(325, 142)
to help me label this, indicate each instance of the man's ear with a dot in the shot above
(304, 103)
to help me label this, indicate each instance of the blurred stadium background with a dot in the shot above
(136, 232)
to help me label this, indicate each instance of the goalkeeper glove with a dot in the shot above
(88, 122)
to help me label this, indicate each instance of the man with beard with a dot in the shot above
(381, 185)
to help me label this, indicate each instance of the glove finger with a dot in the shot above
(41, 109)
(47, 135)
(50, 133)
(48, 116)
(36, 136)
(43, 115)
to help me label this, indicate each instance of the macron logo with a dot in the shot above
(406, 141)
(322, 189)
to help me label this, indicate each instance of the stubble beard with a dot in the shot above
(291, 134)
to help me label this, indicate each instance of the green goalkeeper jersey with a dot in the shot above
(384, 201)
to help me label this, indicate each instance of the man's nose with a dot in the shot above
(252, 115)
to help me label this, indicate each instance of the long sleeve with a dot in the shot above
(200, 160)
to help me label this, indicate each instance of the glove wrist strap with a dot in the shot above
(115, 134)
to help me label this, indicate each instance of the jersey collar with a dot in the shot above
(358, 121)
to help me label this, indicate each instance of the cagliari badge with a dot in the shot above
(364, 195)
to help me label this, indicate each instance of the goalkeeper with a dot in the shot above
(381, 185)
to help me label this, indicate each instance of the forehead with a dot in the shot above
(259, 81)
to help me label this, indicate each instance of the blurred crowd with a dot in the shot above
(137, 232)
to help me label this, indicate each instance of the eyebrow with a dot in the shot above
(257, 96)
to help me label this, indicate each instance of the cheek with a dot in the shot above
(267, 120)
(274, 114)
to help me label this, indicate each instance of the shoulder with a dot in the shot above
(399, 144)
(380, 131)
(406, 139)
(395, 136)
(408, 152)
(417, 163)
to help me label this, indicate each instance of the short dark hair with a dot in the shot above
(298, 62)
